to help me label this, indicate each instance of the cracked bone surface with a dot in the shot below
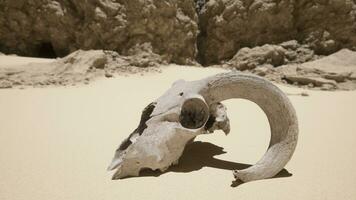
(191, 108)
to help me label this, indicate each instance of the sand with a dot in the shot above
(55, 143)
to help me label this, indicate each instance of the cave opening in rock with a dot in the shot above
(45, 50)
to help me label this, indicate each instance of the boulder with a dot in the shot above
(275, 55)
(341, 63)
(306, 80)
(247, 58)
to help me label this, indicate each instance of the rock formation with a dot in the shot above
(334, 72)
(275, 55)
(254, 35)
(181, 31)
(50, 28)
(228, 26)
(78, 67)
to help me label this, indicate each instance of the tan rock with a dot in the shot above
(228, 26)
(247, 58)
(52, 28)
(78, 67)
(353, 76)
(305, 80)
(341, 62)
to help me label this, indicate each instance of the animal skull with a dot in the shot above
(189, 109)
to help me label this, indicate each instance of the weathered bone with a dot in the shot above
(189, 109)
(218, 119)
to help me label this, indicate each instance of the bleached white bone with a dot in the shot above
(189, 109)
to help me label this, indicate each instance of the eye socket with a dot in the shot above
(194, 113)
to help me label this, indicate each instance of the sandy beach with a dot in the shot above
(56, 143)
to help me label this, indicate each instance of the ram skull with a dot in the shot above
(189, 109)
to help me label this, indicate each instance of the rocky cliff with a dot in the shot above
(50, 28)
(181, 31)
(228, 25)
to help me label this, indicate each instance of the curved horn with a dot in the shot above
(280, 113)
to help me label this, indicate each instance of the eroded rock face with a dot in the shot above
(274, 55)
(229, 25)
(50, 28)
(181, 31)
(327, 25)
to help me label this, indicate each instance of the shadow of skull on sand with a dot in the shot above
(201, 154)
